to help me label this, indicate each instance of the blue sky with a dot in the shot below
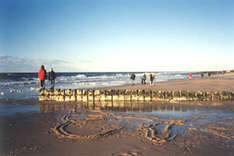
(116, 35)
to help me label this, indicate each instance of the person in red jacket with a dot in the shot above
(190, 76)
(42, 76)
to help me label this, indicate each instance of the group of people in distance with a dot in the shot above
(42, 75)
(143, 79)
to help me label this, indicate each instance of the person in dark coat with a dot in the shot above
(52, 77)
(42, 76)
(133, 76)
(143, 80)
(152, 76)
(209, 74)
(202, 75)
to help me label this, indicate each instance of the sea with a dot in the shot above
(27, 85)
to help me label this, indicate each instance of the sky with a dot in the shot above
(116, 35)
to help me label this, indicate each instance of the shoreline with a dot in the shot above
(217, 88)
(215, 83)
(218, 82)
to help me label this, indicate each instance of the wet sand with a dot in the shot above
(58, 128)
(77, 129)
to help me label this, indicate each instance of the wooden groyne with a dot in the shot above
(85, 95)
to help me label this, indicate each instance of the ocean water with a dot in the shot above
(27, 85)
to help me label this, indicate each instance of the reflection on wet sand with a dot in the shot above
(57, 107)
(118, 106)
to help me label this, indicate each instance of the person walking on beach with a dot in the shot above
(152, 76)
(133, 76)
(143, 80)
(52, 77)
(190, 76)
(209, 74)
(42, 76)
(202, 75)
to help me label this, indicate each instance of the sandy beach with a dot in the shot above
(217, 82)
(144, 129)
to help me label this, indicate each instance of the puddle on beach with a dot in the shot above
(140, 108)
(122, 108)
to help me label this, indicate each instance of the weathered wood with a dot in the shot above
(91, 95)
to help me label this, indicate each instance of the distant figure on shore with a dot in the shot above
(152, 76)
(133, 76)
(209, 74)
(52, 77)
(202, 75)
(143, 80)
(42, 76)
(190, 76)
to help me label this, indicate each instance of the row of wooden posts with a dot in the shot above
(132, 95)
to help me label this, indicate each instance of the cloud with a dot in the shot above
(18, 64)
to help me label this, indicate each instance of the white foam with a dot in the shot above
(139, 74)
(116, 83)
(122, 75)
(12, 90)
(90, 84)
(102, 77)
(15, 91)
(34, 89)
(81, 76)
(13, 83)
(75, 83)
(177, 76)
